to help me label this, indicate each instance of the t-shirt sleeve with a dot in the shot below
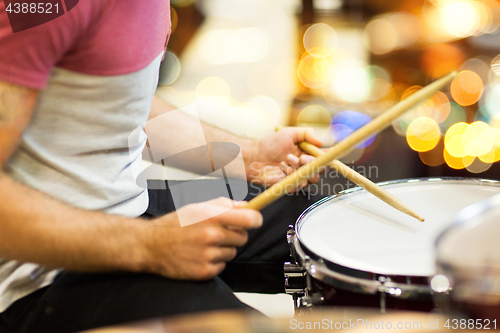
(27, 56)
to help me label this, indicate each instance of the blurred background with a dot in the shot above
(252, 65)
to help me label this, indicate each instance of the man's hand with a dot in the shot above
(277, 155)
(199, 251)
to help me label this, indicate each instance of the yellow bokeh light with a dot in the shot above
(409, 91)
(466, 88)
(494, 154)
(423, 134)
(489, 157)
(352, 83)
(320, 40)
(268, 109)
(316, 114)
(225, 46)
(381, 35)
(314, 72)
(457, 162)
(460, 18)
(211, 87)
(453, 140)
(478, 139)
(323, 69)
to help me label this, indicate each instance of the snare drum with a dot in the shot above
(468, 262)
(352, 249)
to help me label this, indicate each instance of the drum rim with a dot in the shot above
(327, 271)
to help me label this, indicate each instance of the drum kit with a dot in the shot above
(352, 250)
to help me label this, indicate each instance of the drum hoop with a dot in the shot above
(368, 280)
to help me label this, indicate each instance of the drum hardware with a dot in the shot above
(305, 296)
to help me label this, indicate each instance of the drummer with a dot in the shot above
(75, 254)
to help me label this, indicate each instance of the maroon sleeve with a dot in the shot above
(27, 56)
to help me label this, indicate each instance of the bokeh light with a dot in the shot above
(225, 46)
(478, 139)
(174, 18)
(437, 107)
(346, 122)
(352, 82)
(381, 36)
(314, 114)
(441, 59)
(389, 32)
(478, 166)
(170, 69)
(460, 18)
(314, 72)
(456, 115)
(457, 162)
(495, 65)
(466, 88)
(433, 157)
(490, 102)
(213, 87)
(423, 134)
(320, 40)
(267, 109)
(453, 140)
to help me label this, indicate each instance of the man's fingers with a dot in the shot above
(293, 161)
(223, 254)
(240, 217)
(307, 134)
(286, 168)
(233, 237)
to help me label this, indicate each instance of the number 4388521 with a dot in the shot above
(476, 324)
(40, 8)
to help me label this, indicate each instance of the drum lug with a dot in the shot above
(295, 281)
(290, 235)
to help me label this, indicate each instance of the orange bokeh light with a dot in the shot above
(466, 88)
(441, 59)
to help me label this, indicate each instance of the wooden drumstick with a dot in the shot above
(376, 125)
(362, 181)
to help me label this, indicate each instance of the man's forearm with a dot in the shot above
(181, 128)
(37, 228)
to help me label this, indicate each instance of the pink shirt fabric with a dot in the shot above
(96, 37)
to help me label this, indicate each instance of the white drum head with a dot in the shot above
(359, 231)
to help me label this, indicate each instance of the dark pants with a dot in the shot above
(78, 301)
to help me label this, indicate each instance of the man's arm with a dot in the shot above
(35, 227)
(267, 160)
